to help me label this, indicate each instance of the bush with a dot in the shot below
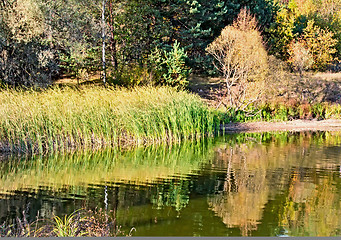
(131, 75)
(26, 63)
(300, 57)
(24, 58)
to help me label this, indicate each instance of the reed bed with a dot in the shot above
(93, 117)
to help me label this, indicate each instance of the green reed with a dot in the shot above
(92, 117)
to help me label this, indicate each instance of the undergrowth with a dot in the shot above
(285, 112)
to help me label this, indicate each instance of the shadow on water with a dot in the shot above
(237, 185)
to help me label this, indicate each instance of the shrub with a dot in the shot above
(131, 75)
(24, 58)
(26, 63)
(300, 57)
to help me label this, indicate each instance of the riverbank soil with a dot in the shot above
(292, 126)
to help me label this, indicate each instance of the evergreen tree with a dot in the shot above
(199, 22)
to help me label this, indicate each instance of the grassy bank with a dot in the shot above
(92, 117)
(286, 96)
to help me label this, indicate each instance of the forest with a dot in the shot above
(157, 41)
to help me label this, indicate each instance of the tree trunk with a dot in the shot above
(112, 41)
(103, 39)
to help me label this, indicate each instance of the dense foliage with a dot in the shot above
(40, 40)
(315, 24)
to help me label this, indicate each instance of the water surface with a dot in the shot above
(236, 185)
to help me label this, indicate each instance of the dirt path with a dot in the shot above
(293, 126)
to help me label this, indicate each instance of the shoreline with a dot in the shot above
(235, 128)
(292, 126)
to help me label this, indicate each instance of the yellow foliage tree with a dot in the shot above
(320, 43)
(241, 58)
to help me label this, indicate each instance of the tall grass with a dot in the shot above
(60, 119)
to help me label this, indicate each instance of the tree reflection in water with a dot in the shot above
(301, 172)
(244, 184)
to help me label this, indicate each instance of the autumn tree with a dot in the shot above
(321, 44)
(199, 22)
(241, 58)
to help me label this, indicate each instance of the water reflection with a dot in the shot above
(300, 171)
(238, 185)
(143, 166)
(244, 192)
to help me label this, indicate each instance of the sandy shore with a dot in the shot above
(293, 126)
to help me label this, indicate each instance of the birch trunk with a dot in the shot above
(103, 41)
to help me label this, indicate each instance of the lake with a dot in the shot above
(270, 184)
